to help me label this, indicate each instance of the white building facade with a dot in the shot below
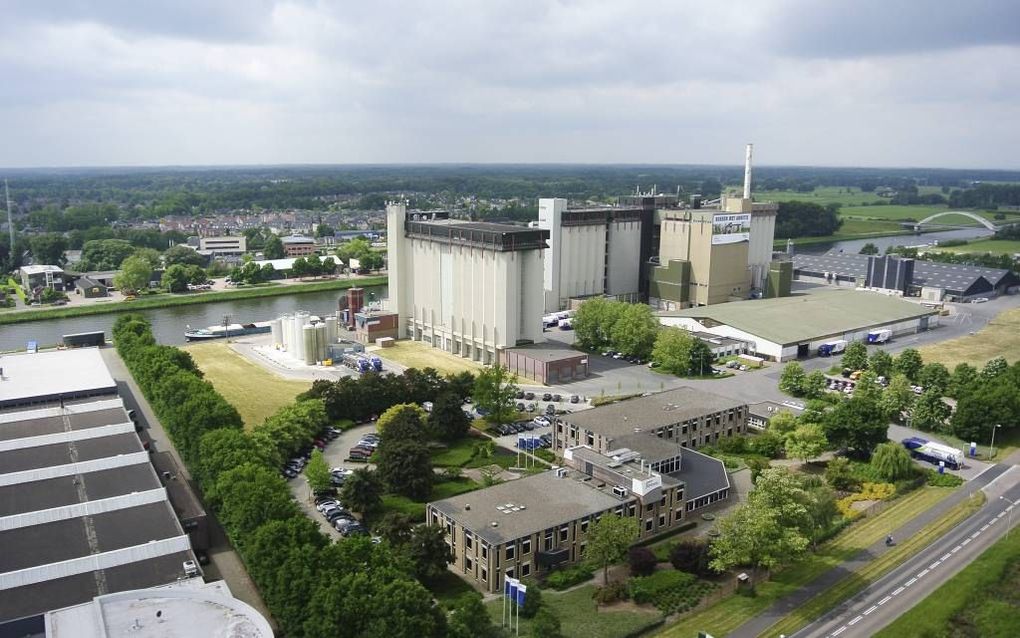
(468, 288)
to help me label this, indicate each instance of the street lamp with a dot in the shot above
(991, 448)
(1009, 513)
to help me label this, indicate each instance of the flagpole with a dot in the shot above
(502, 617)
(518, 620)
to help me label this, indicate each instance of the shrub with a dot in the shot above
(611, 593)
(935, 479)
(733, 445)
(869, 492)
(670, 591)
(766, 444)
(641, 560)
(691, 555)
(564, 578)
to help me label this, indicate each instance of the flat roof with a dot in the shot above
(547, 501)
(650, 412)
(650, 447)
(288, 263)
(40, 268)
(809, 316)
(956, 278)
(54, 374)
(770, 408)
(701, 474)
(549, 354)
(498, 237)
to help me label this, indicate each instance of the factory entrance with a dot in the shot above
(803, 351)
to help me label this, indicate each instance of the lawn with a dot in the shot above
(253, 390)
(1000, 338)
(456, 454)
(417, 354)
(579, 618)
(994, 246)
(982, 598)
(844, 196)
(730, 613)
(893, 212)
(441, 490)
(448, 588)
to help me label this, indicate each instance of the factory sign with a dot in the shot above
(730, 229)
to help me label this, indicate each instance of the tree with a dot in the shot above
(806, 442)
(355, 248)
(403, 422)
(469, 618)
(868, 249)
(963, 376)
(183, 255)
(754, 535)
(395, 528)
(635, 330)
(251, 495)
(868, 388)
(782, 423)
(546, 624)
(532, 601)
(196, 275)
(150, 255)
(448, 421)
(681, 353)
(930, 412)
(813, 385)
(594, 322)
(317, 472)
(324, 230)
(134, 275)
(274, 247)
(934, 376)
(222, 449)
(691, 555)
(495, 392)
(881, 363)
(839, 475)
(909, 364)
(856, 423)
(428, 552)
(608, 540)
(406, 468)
(983, 407)
(641, 560)
(105, 254)
(461, 384)
(892, 462)
(48, 248)
(766, 444)
(372, 261)
(994, 368)
(175, 278)
(792, 379)
(897, 397)
(855, 356)
(362, 491)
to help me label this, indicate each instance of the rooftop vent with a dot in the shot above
(467, 507)
(494, 524)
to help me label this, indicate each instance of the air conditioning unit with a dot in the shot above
(620, 491)
(561, 472)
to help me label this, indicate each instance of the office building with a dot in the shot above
(42, 276)
(469, 288)
(298, 245)
(224, 245)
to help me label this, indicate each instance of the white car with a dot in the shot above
(326, 505)
(540, 421)
(979, 300)
(344, 471)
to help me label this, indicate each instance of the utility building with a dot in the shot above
(469, 288)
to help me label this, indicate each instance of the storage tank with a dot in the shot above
(331, 331)
(320, 341)
(276, 328)
(308, 344)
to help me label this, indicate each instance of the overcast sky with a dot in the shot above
(866, 83)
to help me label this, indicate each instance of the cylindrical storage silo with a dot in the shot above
(276, 328)
(288, 333)
(320, 341)
(308, 344)
(331, 331)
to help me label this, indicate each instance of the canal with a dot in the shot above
(168, 324)
(855, 245)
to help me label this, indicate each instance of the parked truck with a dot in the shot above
(933, 452)
(831, 348)
(879, 336)
(357, 362)
(376, 363)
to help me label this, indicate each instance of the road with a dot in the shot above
(890, 597)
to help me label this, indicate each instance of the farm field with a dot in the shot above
(994, 246)
(253, 390)
(895, 212)
(845, 196)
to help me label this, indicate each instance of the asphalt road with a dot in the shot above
(890, 597)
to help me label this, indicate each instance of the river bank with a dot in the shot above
(167, 301)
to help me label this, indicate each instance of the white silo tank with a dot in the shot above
(320, 341)
(331, 331)
(276, 328)
(308, 344)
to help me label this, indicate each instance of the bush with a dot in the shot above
(691, 555)
(935, 479)
(671, 592)
(641, 560)
(766, 444)
(733, 445)
(611, 593)
(564, 578)
(869, 492)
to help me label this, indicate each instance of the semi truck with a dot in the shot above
(356, 362)
(933, 452)
(831, 348)
(879, 336)
(376, 363)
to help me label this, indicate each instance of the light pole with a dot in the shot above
(991, 448)
(1009, 513)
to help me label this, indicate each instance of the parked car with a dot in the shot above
(532, 407)
(550, 409)
(574, 398)
(288, 473)
(519, 395)
(529, 396)
(541, 421)
(520, 406)
(557, 398)
(326, 504)
(547, 397)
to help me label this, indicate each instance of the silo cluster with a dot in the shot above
(303, 337)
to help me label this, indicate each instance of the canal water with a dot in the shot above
(169, 324)
(855, 245)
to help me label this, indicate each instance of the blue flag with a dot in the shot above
(510, 588)
(521, 590)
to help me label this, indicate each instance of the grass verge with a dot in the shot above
(999, 338)
(579, 617)
(253, 390)
(164, 301)
(417, 354)
(877, 568)
(729, 613)
(982, 597)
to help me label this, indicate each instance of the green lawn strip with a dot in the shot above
(875, 569)
(441, 490)
(971, 591)
(448, 588)
(579, 618)
(165, 301)
(730, 613)
(456, 454)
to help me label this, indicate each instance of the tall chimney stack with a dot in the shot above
(747, 172)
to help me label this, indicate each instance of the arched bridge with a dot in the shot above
(978, 218)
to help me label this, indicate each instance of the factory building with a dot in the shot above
(793, 327)
(468, 288)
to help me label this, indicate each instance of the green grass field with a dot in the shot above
(982, 600)
(730, 613)
(253, 390)
(579, 618)
(994, 246)
(895, 213)
(999, 338)
(844, 196)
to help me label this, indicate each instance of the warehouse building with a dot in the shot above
(545, 365)
(687, 417)
(523, 528)
(468, 288)
(957, 282)
(793, 327)
(82, 511)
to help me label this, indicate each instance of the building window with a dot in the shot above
(662, 520)
(510, 550)
(563, 533)
(649, 506)
(679, 514)
(510, 573)
(548, 538)
(526, 546)
(648, 525)
(632, 509)
(485, 551)
(468, 565)
(590, 439)
(467, 540)
(485, 575)
(525, 570)
(663, 501)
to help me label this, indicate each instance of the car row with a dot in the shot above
(364, 448)
(338, 516)
(294, 466)
(620, 356)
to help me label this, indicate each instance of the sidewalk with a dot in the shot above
(760, 623)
